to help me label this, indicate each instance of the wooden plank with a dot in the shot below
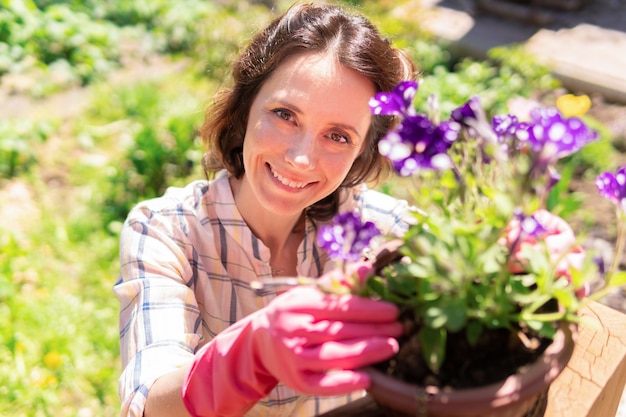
(593, 382)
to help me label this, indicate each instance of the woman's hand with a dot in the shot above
(318, 340)
(309, 340)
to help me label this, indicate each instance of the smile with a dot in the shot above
(285, 181)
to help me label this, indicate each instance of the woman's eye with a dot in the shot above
(340, 137)
(284, 114)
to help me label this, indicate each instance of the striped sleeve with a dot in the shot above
(159, 316)
(391, 215)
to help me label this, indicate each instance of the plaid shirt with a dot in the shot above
(187, 260)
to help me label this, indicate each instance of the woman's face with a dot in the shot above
(306, 127)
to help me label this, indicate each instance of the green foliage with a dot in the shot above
(78, 42)
(130, 13)
(419, 44)
(180, 29)
(429, 55)
(162, 144)
(33, 38)
(510, 73)
(18, 140)
(561, 200)
(221, 36)
(58, 343)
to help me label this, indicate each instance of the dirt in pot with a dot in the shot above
(497, 354)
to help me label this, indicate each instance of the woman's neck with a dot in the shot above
(282, 234)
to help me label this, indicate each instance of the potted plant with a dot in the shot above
(487, 279)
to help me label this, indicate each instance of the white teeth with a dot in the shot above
(285, 181)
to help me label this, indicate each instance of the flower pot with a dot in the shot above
(519, 395)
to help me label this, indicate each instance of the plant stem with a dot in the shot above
(537, 304)
(619, 245)
(558, 315)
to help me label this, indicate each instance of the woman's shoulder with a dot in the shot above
(176, 197)
(190, 199)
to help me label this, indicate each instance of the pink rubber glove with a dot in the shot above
(560, 241)
(311, 341)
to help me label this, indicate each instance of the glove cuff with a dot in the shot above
(225, 379)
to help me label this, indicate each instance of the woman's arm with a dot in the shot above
(391, 215)
(158, 309)
(164, 398)
(312, 342)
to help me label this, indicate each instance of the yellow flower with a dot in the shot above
(571, 105)
(19, 347)
(46, 381)
(53, 360)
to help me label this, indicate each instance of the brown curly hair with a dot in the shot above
(324, 28)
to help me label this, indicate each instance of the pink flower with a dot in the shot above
(559, 239)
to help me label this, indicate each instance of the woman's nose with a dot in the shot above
(302, 152)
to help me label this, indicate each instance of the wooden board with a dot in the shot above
(593, 382)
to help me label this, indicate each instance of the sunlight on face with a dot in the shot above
(307, 125)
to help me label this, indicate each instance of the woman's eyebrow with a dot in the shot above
(345, 126)
(296, 109)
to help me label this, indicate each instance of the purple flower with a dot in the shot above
(467, 112)
(552, 136)
(504, 125)
(552, 178)
(490, 136)
(599, 261)
(419, 144)
(346, 237)
(396, 103)
(530, 226)
(613, 186)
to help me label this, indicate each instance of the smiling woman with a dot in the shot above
(307, 126)
(290, 145)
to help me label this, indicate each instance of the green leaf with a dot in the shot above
(618, 279)
(435, 317)
(504, 204)
(473, 331)
(433, 347)
(538, 260)
(565, 297)
(492, 259)
(422, 267)
(377, 285)
(545, 329)
(7, 289)
(448, 312)
(455, 311)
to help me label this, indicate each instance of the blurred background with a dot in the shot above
(100, 102)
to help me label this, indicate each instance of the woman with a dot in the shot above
(290, 145)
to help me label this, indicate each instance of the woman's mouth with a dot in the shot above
(285, 181)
